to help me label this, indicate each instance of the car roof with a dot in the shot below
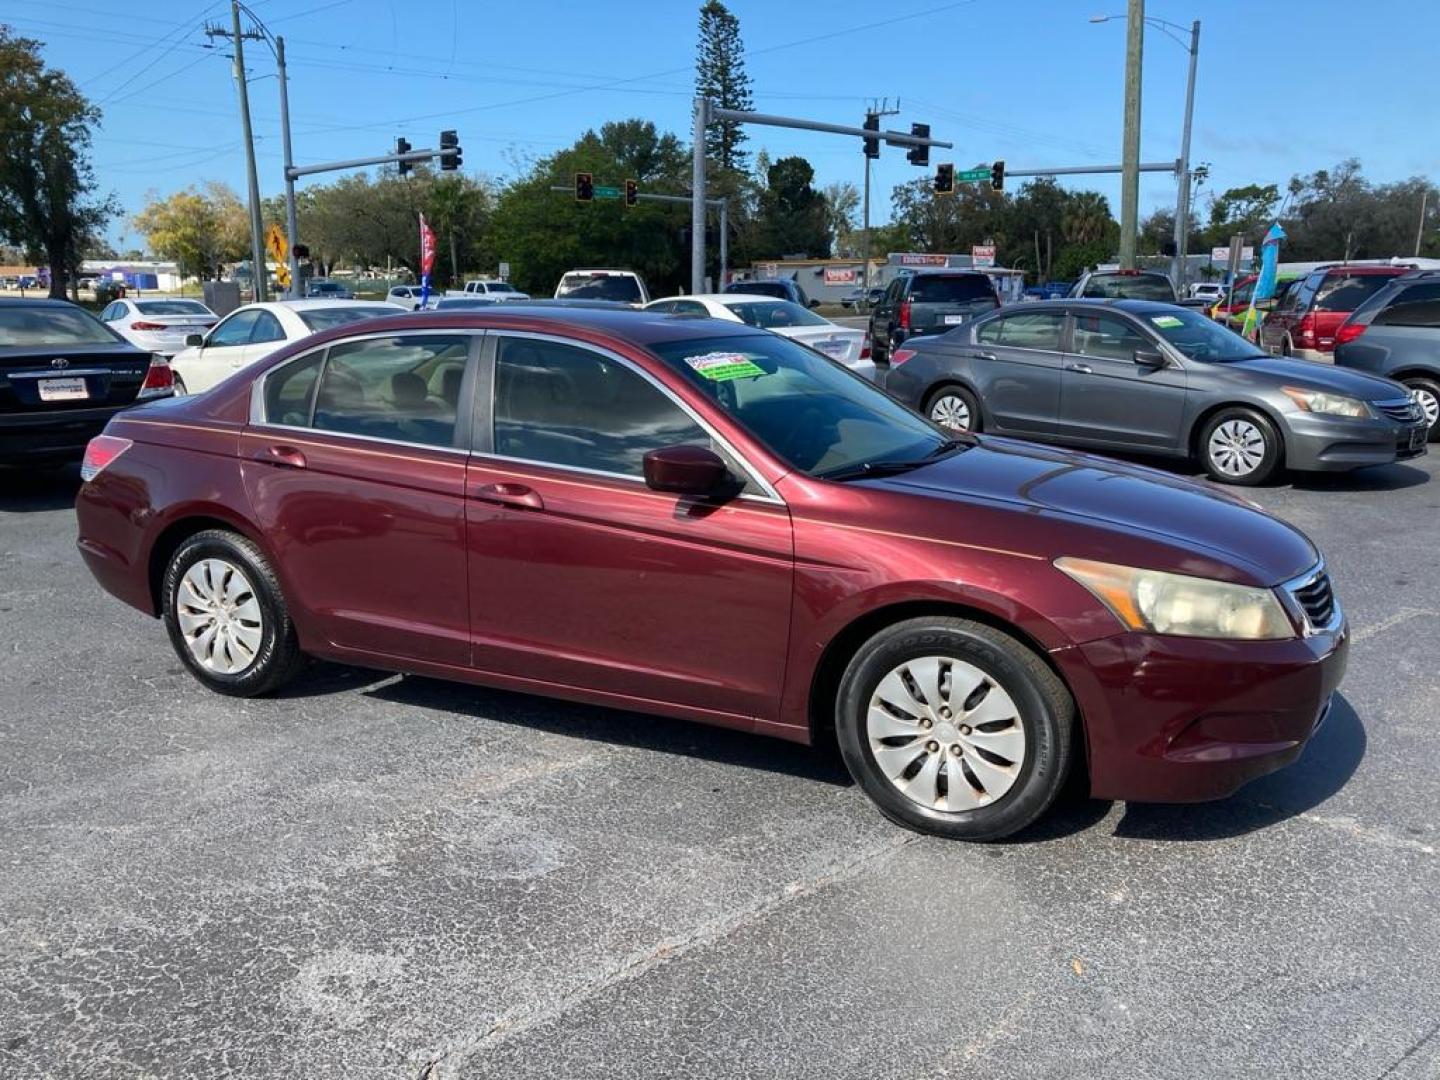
(38, 301)
(728, 298)
(628, 325)
(1134, 307)
(311, 303)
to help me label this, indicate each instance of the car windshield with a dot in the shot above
(806, 410)
(1129, 287)
(1199, 337)
(171, 307)
(325, 318)
(23, 325)
(600, 287)
(955, 289)
(325, 287)
(774, 316)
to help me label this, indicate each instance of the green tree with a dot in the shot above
(842, 202)
(199, 228)
(1247, 211)
(48, 199)
(948, 223)
(1034, 228)
(1338, 214)
(720, 76)
(792, 218)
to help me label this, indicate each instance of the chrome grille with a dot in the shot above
(1316, 598)
(1405, 410)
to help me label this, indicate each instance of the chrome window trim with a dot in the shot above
(770, 494)
(1297, 610)
(262, 425)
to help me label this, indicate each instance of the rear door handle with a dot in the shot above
(519, 496)
(1080, 369)
(287, 457)
(986, 355)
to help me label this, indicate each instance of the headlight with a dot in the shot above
(1177, 604)
(1318, 401)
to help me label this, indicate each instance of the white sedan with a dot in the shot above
(841, 343)
(254, 331)
(160, 325)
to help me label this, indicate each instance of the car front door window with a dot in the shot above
(1108, 337)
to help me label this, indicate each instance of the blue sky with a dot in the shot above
(1032, 81)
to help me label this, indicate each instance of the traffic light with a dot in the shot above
(945, 178)
(919, 155)
(872, 146)
(402, 146)
(997, 176)
(632, 192)
(449, 140)
(584, 187)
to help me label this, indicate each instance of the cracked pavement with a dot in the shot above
(383, 876)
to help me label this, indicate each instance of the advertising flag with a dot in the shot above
(427, 260)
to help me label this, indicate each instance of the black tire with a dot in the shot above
(1270, 457)
(1043, 705)
(278, 658)
(1285, 349)
(879, 354)
(1430, 387)
(963, 397)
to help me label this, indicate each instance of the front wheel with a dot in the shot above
(1427, 393)
(955, 408)
(954, 728)
(1240, 446)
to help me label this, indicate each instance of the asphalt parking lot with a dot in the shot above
(381, 876)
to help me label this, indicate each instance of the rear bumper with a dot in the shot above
(1324, 443)
(27, 438)
(1187, 720)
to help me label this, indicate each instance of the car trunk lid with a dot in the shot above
(57, 378)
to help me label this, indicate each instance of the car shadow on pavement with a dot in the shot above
(618, 727)
(1376, 478)
(1324, 768)
(34, 489)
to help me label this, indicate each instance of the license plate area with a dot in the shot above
(954, 320)
(69, 389)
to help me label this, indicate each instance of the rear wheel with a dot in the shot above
(1427, 392)
(954, 728)
(1240, 446)
(954, 407)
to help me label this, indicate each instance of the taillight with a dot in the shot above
(865, 349)
(1305, 329)
(899, 356)
(148, 326)
(1349, 332)
(905, 315)
(158, 378)
(101, 451)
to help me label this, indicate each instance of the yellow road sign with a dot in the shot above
(275, 243)
(282, 276)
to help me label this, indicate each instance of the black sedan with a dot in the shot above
(1153, 378)
(63, 375)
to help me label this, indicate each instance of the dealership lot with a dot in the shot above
(394, 877)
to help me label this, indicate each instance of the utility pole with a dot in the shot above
(1182, 198)
(291, 229)
(697, 198)
(1130, 179)
(1420, 232)
(872, 117)
(237, 39)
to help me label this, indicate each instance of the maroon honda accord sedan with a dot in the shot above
(697, 519)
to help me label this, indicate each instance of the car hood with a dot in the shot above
(1134, 515)
(1309, 375)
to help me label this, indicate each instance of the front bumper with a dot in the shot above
(1316, 443)
(1171, 719)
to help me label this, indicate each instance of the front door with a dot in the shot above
(355, 472)
(582, 576)
(1106, 396)
(1016, 362)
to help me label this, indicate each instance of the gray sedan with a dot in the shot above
(1154, 378)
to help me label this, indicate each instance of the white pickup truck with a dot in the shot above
(493, 290)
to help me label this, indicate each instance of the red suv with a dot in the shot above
(1304, 321)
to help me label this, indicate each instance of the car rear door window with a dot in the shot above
(1031, 330)
(1346, 292)
(956, 289)
(563, 405)
(1108, 337)
(235, 330)
(267, 328)
(405, 388)
(1405, 312)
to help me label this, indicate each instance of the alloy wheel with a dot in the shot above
(1237, 447)
(219, 616)
(951, 411)
(945, 733)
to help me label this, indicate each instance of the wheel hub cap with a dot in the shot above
(945, 733)
(951, 412)
(1429, 405)
(219, 616)
(1237, 447)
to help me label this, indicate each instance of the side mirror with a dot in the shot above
(1151, 358)
(194, 341)
(814, 303)
(687, 470)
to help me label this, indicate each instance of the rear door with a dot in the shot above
(1017, 361)
(1107, 397)
(941, 302)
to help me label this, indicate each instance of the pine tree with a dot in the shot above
(720, 76)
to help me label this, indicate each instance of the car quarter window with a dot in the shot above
(267, 328)
(235, 330)
(290, 390)
(1031, 330)
(405, 388)
(569, 406)
(688, 307)
(1108, 337)
(111, 313)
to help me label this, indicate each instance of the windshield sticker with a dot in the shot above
(1166, 322)
(724, 366)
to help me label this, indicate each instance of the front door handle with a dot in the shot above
(287, 457)
(519, 496)
(986, 355)
(1080, 369)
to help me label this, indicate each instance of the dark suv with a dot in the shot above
(1396, 333)
(1306, 317)
(779, 288)
(930, 303)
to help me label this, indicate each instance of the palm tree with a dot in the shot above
(1087, 213)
